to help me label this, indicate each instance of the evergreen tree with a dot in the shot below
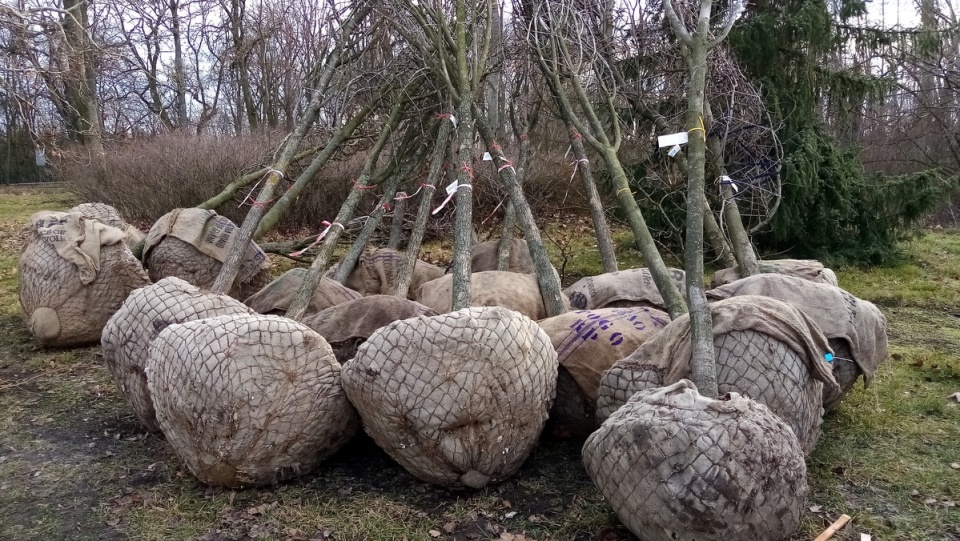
(831, 208)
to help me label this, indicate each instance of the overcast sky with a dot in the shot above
(895, 12)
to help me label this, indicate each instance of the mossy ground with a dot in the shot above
(74, 464)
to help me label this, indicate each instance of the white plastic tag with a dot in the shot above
(673, 151)
(487, 157)
(452, 187)
(673, 139)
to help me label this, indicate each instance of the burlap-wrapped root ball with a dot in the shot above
(109, 215)
(483, 257)
(805, 269)
(147, 311)
(275, 297)
(458, 399)
(347, 325)
(631, 287)
(248, 400)
(512, 290)
(192, 245)
(74, 273)
(677, 466)
(588, 342)
(855, 328)
(765, 350)
(377, 272)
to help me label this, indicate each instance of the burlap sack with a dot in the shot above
(840, 315)
(73, 275)
(765, 349)
(147, 311)
(109, 215)
(677, 466)
(248, 400)
(588, 342)
(516, 291)
(458, 399)
(807, 269)
(376, 273)
(484, 257)
(276, 296)
(632, 287)
(347, 325)
(192, 245)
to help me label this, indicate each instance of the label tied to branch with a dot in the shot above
(319, 238)
(727, 181)
(451, 190)
(674, 151)
(487, 157)
(673, 140)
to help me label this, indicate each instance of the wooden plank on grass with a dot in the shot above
(834, 528)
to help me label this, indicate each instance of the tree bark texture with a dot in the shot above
(703, 360)
(593, 131)
(298, 307)
(397, 223)
(80, 80)
(743, 250)
(405, 275)
(463, 223)
(600, 226)
(546, 276)
(349, 260)
(228, 273)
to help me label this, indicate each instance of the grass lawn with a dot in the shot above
(74, 464)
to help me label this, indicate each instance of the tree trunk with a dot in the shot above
(739, 238)
(298, 307)
(463, 223)
(285, 201)
(505, 245)
(349, 260)
(228, 273)
(231, 189)
(600, 227)
(80, 81)
(241, 57)
(397, 223)
(703, 366)
(546, 275)
(179, 73)
(423, 212)
(598, 139)
(676, 306)
(718, 242)
(510, 213)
